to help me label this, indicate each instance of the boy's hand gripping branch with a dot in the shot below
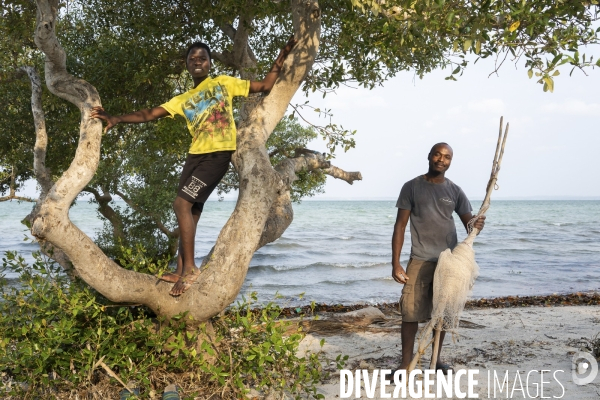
(267, 83)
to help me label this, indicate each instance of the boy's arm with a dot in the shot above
(267, 83)
(137, 117)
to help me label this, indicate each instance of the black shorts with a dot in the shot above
(201, 174)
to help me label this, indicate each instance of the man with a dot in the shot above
(428, 201)
(208, 111)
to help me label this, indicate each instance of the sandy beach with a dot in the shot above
(517, 340)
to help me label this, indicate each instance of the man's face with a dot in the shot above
(440, 158)
(198, 62)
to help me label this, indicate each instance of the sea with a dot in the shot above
(339, 252)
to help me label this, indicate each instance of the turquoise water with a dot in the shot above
(340, 251)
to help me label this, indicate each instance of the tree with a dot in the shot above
(362, 42)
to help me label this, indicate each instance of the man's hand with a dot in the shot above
(479, 223)
(399, 274)
(98, 112)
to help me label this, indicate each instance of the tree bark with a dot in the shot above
(42, 174)
(224, 270)
(282, 212)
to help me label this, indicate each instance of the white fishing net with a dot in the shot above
(453, 280)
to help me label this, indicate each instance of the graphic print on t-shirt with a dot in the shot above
(208, 116)
(446, 200)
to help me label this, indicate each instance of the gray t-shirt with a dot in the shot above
(432, 228)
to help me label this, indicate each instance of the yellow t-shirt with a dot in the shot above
(208, 111)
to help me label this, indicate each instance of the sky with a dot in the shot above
(552, 148)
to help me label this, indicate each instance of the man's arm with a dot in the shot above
(137, 117)
(267, 83)
(479, 224)
(398, 272)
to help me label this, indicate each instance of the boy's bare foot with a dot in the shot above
(170, 277)
(185, 282)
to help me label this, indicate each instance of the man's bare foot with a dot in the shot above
(170, 277)
(185, 282)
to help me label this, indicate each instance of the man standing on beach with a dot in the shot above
(428, 201)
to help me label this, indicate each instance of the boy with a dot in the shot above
(207, 109)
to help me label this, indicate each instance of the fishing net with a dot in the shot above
(452, 283)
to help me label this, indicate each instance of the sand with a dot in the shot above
(517, 340)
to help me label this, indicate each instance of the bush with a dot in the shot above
(59, 337)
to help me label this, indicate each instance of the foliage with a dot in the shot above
(434, 33)
(53, 332)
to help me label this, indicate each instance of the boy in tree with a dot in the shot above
(207, 109)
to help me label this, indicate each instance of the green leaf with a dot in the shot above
(467, 45)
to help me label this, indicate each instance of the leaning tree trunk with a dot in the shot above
(224, 270)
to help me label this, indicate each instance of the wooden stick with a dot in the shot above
(111, 373)
(495, 170)
(493, 179)
(423, 344)
(436, 349)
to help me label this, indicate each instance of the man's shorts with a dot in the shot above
(416, 302)
(201, 174)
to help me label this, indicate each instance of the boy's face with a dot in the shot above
(198, 62)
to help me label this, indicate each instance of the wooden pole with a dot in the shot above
(436, 348)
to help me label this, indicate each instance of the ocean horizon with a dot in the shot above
(339, 251)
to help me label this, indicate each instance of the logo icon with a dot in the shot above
(584, 368)
(194, 187)
(446, 200)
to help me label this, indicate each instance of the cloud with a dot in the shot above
(495, 106)
(454, 110)
(572, 107)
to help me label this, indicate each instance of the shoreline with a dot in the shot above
(512, 336)
(590, 298)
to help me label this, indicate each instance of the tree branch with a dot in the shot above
(311, 160)
(107, 211)
(42, 174)
(225, 58)
(281, 213)
(173, 234)
(339, 173)
(11, 187)
(242, 54)
(18, 198)
(228, 30)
